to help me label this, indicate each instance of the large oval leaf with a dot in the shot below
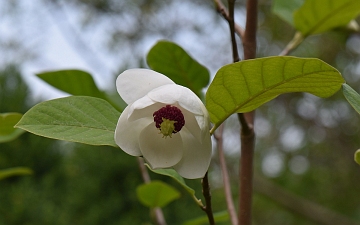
(244, 86)
(317, 16)
(171, 60)
(74, 82)
(7, 123)
(156, 194)
(80, 119)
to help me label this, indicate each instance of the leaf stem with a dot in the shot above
(207, 195)
(227, 188)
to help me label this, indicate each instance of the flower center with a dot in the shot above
(169, 120)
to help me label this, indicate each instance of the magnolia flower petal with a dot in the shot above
(135, 83)
(143, 107)
(196, 158)
(160, 152)
(192, 125)
(172, 93)
(127, 133)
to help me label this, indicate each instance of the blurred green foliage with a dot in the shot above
(78, 184)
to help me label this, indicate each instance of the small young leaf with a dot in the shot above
(15, 171)
(80, 119)
(156, 194)
(171, 60)
(7, 123)
(244, 86)
(357, 156)
(317, 16)
(285, 9)
(74, 82)
(352, 97)
(219, 217)
(174, 175)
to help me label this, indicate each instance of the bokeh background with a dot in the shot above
(305, 144)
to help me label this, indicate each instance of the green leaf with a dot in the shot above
(352, 97)
(357, 156)
(285, 9)
(74, 82)
(15, 171)
(244, 86)
(156, 194)
(7, 123)
(80, 119)
(317, 16)
(171, 60)
(219, 217)
(174, 175)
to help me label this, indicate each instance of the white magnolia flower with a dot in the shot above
(164, 122)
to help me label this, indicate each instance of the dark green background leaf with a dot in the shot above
(171, 60)
(74, 82)
(15, 171)
(173, 174)
(357, 156)
(156, 194)
(203, 220)
(7, 123)
(80, 119)
(285, 9)
(317, 16)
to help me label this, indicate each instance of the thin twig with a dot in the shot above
(293, 44)
(207, 195)
(222, 10)
(231, 22)
(159, 216)
(227, 188)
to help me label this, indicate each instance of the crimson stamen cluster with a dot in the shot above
(171, 113)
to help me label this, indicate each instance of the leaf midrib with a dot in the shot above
(61, 125)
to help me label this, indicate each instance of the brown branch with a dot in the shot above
(207, 195)
(247, 124)
(227, 189)
(220, 8)
(249, 41)
(246, 120)
(157, 211)
(246, 175)
(304, 207)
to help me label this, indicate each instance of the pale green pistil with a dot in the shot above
(167, 127)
